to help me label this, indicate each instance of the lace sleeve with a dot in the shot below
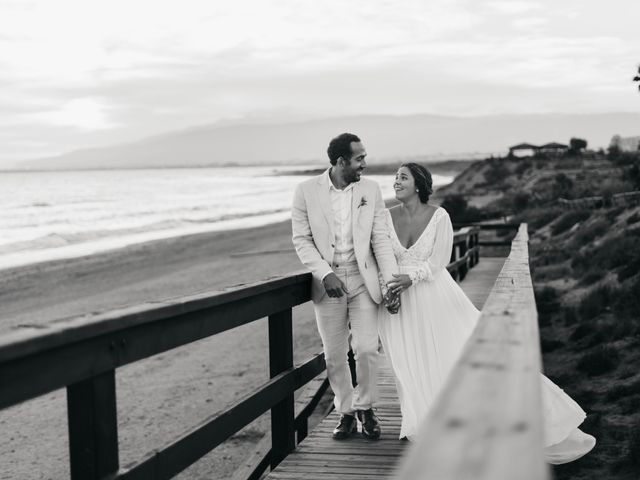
(440, 254)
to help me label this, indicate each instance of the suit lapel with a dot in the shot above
(355, 206)
(325, 202)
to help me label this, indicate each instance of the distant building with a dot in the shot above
(625, 144)
(528, 150)
(553, 149)
(523, 150)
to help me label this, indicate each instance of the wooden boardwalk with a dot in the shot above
(319, 457)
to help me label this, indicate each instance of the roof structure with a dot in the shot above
(555, 145)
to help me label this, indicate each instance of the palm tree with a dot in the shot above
(637, 78)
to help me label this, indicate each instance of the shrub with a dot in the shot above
(619, 251)
(562, 186)
(624, 328)
(629, 405)
(568, 220)
(631, 268)
(633, 445)
(587, 233)
(523, 166)
(601, 359)
(548, 256)
(627, 303)
(596, 301)
(570, 316)
(496, 173)
(582, 331)
(539, 218)
(633, 218)
(592, 276)
(619, 391)
(549, 345)
(547, 300)
(553, 272)
(521, 201)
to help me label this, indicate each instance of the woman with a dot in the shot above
(426, 337)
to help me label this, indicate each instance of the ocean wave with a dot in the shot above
(59, 239)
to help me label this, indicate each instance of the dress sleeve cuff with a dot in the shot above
(423, 273)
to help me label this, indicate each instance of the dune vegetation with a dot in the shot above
(585, 264)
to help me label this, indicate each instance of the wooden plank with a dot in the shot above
(487, 422)
(480, 279)
(320, 456)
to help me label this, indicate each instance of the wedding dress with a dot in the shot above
(425, 338)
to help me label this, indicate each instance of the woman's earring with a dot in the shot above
(417, 191)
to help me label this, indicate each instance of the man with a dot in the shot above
(340, 234)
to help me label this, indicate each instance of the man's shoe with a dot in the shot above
(370, 424)
(346, 426)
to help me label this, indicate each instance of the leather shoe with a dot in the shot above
(346, 426)
(370, 424)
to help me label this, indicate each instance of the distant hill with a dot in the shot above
(386, 137)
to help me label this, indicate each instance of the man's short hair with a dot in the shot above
(341, 147)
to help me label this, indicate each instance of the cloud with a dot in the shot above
(513, 7)
(103, 71)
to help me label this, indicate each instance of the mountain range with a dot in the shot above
(386, 137)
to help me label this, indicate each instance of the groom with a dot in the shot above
(340, 234)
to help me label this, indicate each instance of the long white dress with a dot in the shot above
(425, 339)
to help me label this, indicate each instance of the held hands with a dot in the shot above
(334, 286)
(391, 302)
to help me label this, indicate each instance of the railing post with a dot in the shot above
(281, 359)
(453, 258)
(472, 245)
(464, 267)
(93, 427)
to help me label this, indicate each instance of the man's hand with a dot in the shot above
(334, 286)
(394, 305)
(392, 302)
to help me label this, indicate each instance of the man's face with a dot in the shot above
(353, 168)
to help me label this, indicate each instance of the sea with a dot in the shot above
(55, 215)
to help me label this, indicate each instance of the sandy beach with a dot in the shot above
(160, 397)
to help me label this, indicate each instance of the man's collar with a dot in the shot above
(330, 185)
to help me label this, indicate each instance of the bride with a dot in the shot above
(425, 338)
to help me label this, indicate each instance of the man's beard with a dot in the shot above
(351, 175)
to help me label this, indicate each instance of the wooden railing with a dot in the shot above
(601, 201)
(83, 355)
(497, 227)
(487, 421)
(465, 252)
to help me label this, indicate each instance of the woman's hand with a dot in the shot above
(400, 282)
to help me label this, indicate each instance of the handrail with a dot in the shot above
(487, 423)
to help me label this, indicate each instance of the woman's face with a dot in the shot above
(404, 185)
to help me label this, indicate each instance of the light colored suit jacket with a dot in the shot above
(314, 237)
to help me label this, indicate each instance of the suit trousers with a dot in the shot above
(334, 316)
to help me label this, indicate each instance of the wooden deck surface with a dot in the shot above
(319, 457)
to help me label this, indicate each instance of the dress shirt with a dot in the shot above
(341, 205)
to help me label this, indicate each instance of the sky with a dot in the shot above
(83, 73)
